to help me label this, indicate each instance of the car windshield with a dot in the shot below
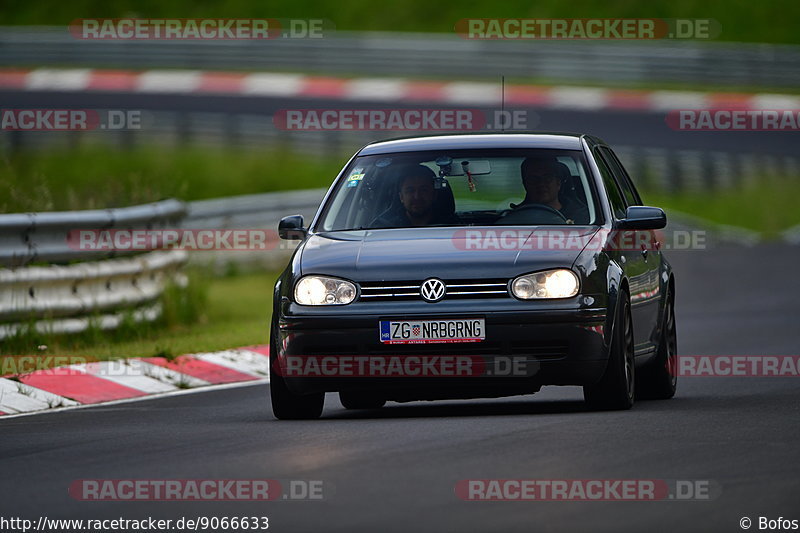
(462, 188)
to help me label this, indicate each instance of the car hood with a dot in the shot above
(448, 253)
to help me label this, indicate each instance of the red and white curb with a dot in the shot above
(381, 90)
(125, 379)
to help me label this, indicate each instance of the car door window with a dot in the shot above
(624, 181)
(614, 194)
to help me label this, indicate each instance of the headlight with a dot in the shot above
(321, 290)
(561, 283)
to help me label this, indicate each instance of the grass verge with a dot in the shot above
(740, 21)
(216, 314)
(94, 177)
(767, 205)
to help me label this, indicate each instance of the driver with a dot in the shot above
(417, 196)
(540, 177)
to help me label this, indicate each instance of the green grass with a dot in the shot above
(100, 177)
(223, 313)
(740, 20)
(767, 205)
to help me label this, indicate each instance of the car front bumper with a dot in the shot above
(523, 350)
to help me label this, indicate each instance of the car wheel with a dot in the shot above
(357, 400)
(615, 390)
(285, 404)
(659, 379)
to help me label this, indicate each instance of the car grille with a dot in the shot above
(456, 289)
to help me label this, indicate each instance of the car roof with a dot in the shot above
(555, 141)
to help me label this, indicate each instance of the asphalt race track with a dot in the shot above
(395, 469)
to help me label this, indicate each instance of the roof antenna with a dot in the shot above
(503, 103)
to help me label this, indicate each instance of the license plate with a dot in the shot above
(432, 331)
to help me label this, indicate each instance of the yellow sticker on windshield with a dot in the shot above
(356, 174)
(355, 177)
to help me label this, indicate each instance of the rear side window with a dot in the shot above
(628, 191)
(614, 194)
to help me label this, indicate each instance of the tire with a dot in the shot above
(356, 400)
(659, 380)
(285, 404)
(615, 390)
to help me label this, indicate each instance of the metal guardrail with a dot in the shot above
(69, 299)
(64, 298)
(254, 211)
(420, 54)
(45, 237)
(83, 288)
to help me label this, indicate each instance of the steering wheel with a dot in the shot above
(522, 209)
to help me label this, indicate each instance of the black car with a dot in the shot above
(464, 266)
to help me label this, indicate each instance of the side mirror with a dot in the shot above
(291, 228)
(643, 218)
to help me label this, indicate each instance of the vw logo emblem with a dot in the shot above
(432, 290)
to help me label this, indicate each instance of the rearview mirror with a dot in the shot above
(643, 217)
(476, 168)
(291, 228)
